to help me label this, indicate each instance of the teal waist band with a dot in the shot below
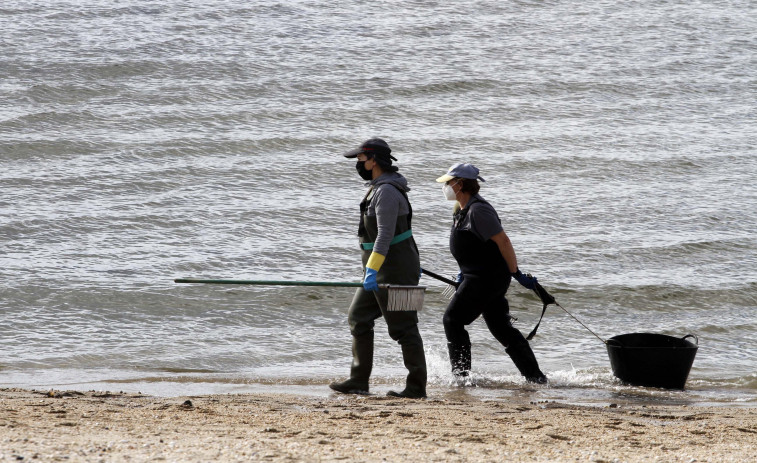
(398, 238)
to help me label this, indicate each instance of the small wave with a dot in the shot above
(748, 382)
(447, 87)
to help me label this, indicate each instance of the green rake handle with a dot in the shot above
(401, 297)
(344, 284)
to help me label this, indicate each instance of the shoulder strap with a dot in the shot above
(460, 213)
(363, 208)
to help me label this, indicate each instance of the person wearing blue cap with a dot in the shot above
(487, 264)
(390, 256)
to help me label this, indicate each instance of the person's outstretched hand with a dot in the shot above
(526, 280)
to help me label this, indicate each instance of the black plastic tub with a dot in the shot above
(652, 360)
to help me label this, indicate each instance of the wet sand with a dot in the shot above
(99, 426)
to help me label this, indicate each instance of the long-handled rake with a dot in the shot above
(401, 297)
(452, 285)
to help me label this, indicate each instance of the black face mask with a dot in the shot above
(364, 173)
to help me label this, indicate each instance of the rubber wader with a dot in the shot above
(525, 361)
(402, 267)
(460, 358)
(362, 364)
(483, 261)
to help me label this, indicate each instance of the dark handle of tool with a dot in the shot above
(440, 278)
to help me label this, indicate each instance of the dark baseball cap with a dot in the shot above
(372, 147)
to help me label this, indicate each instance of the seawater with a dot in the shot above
(147, 141)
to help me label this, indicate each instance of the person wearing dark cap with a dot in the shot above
(487, 263)
(390, 256)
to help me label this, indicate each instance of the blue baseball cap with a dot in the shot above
(461, 170)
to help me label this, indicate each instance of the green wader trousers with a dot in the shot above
(403, 328)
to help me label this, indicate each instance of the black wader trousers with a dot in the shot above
(486, 279)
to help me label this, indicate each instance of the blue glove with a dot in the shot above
(527, 281)
(459, 278)
(369, 283)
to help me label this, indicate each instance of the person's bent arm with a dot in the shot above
(507, 250)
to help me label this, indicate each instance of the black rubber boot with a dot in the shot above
(525, 361)
(460, 359)
(362, 364)
(415, 362)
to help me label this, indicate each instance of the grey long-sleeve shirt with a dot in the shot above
(387, 204)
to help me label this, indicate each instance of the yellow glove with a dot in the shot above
(375, 261)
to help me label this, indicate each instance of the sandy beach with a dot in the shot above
(101, 426)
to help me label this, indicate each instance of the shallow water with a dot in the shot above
(149, 141)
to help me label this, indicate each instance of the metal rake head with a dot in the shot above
(449, 291)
